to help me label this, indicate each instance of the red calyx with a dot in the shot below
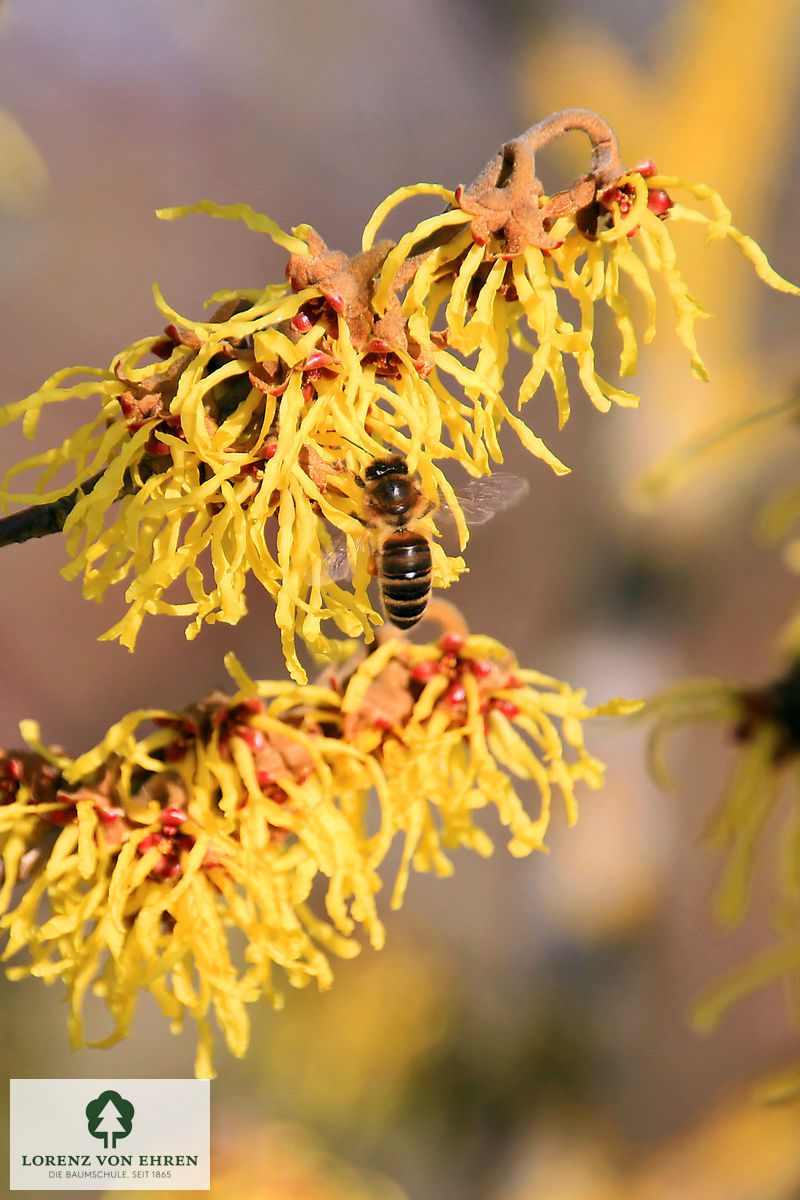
(336, 301)
(176, 749)
(169, 843)
(233, 722)
(156, 448)
(61, 816)
(659, 202)
(480, 667)
(425, 670)
(277, 794)
(318, 360)
(507, 707)
(185, 731)
(166, 868)
(108, 815)
(621, 196)
(10, 776)
(238, 712)
(301, 322)
(163, 347)
(171, 819)
(254, 738)
(647, 168)
(66, 815)
(451, 643)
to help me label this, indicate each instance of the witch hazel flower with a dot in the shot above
(763, 726)
(129, 868)
(143, 863)
(230, 447)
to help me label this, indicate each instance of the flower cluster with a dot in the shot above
(232, 445)
(191, 854)
(765, 723)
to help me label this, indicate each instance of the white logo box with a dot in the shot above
(106, 1134)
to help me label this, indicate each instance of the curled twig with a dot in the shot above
(506, 196)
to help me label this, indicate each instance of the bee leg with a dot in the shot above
(372, 566)
(359, 482)
(429, 507)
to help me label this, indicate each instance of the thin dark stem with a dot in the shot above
(40, 519)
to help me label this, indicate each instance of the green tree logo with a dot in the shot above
(109, 1117)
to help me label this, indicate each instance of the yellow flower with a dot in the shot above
(713, 99)
(150, 847)
(240, 450)
(604, 241)
(765, 722)
(453, 722)
(139, 856)
(238, 453)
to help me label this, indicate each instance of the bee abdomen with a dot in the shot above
(404, 572)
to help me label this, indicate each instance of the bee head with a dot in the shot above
(379, 468)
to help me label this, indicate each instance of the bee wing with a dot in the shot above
(480, 499)
(337, 560)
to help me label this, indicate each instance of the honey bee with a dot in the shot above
(401, 558)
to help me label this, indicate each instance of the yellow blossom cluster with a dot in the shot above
(191, 853)
(765, 723)
(234, 445)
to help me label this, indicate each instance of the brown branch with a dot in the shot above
(40, 519)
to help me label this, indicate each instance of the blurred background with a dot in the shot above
(524, 1034)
